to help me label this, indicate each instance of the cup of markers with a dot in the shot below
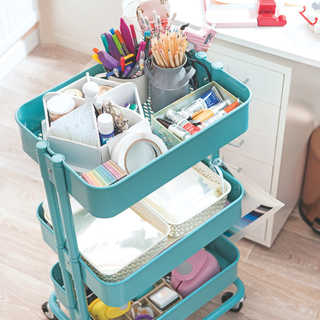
(124, 58)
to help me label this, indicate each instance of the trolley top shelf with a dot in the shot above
(109, 201)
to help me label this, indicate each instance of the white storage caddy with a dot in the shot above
(82, 157)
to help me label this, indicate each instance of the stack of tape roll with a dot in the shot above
(136, 150)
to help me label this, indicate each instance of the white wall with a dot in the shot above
(78, 24)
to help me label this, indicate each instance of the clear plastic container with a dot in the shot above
(59, 106)
(190, 199)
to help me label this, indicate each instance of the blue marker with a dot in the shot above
(112, 31)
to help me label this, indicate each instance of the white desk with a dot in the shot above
(283, 68)
(294, 41)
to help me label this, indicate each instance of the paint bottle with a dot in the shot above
(178, 131)
(105, 127)
(206, 114)
(180, 121)
(206, 101)
(220, 114)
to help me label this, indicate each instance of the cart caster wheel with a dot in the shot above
(47, 312)
(226, 296)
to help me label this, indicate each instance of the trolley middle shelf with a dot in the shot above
(117, 294)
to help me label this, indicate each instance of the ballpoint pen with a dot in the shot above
(123, 45)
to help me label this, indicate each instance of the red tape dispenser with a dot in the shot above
(267, 14)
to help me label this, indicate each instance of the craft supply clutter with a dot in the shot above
(151, 92)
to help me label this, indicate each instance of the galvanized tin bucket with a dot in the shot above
(168, 84)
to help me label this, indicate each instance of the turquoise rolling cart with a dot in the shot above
(60, 181)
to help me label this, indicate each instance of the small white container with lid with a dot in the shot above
(59, 106)
(105, 127)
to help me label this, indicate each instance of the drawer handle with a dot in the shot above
(244, 81)
(237, 145)
(238, 169)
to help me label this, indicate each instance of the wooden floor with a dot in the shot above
(281, 283)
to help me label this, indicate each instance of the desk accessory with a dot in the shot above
(262, 13)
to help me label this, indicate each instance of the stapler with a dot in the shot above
(267, 14)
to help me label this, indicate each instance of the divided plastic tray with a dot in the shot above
(117, 294)
(159, 171)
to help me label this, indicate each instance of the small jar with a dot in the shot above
(59, 106)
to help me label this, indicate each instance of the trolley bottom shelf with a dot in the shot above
(227, 255)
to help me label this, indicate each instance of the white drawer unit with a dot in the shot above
(254, 144)
(254, 76)
(258, 172)
(264, 117)
(257, 154)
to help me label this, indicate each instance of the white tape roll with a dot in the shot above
(136, 150)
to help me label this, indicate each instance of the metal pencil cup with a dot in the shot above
(168, 84)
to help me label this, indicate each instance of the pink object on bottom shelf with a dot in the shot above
(194, 272)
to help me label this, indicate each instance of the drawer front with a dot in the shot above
(254, 144)
(264, 117)
(265, 84)
(258, 172)
(259, 233)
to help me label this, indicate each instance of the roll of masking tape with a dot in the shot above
(136, 150)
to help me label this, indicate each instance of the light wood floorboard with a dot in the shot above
(282, 283)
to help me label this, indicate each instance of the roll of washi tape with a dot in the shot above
(74, 93)
(136, 150)
(103, 89)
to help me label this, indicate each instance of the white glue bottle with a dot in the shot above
(105, 127)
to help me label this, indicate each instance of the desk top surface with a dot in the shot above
(293, 41)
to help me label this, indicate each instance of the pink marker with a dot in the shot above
(141, 48)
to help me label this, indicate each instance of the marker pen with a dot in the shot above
(105, 42)
(206, 114)
(123, 44)
(133, 33)
(180, 121)
(141, 48)
(117, 43)
(126, 72)
(147, 40)
(122, 63)
(220, 115)
(178, 131)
